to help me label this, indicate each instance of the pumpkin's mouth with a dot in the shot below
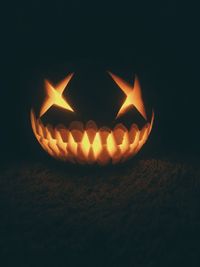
(86, 143)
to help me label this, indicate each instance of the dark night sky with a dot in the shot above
(160, 37)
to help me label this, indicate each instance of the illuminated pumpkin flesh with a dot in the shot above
(86, 141)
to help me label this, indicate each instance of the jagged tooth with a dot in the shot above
(77, 131)
(90, 145)
(104, 133)
(41, 129)
(49, 137)
(53, 146)
(70, 155)
(125, 144)
(111, 145)
(77, 135)
(129, 139)
(57, 135)
(64, 132)
(119, 132)
(91, 129)
(85, 144)
(104, 157)
(60, 144)
(133, 132)
(126, 154)
(91, 156)
(50, 132)
(76, 128)
(97, 145)
(72, 145)
(80, 155)
(44, 130)
(63, 148)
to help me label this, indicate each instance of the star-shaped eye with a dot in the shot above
(54, 96)
(133, 96)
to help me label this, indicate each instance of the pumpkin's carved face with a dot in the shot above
(92, 117)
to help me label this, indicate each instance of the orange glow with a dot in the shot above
(54, 96)
(85, 144)
(88, 144)
(133, 96)
(111, 145)
(97, 145)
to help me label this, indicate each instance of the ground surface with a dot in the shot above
(145, 213)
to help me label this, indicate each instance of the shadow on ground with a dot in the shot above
(145, 213)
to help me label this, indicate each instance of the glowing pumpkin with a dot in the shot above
(80, 121)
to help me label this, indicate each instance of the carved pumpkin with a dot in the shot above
(92, 116)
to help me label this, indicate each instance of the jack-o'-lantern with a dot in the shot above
(92, 116)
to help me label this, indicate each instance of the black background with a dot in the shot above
(160, 38)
